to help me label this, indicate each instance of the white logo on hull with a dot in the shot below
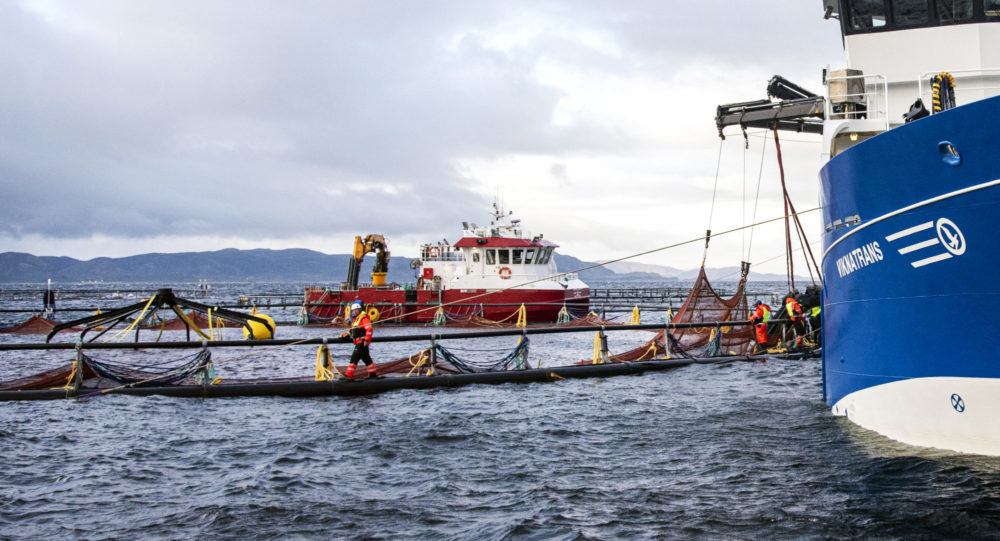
(948, 235)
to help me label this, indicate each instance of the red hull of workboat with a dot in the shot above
(420, 306)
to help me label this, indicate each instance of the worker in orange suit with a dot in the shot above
(761, 314)
(794, 310)
(361, 333)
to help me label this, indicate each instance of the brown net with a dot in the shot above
(177, 324)
(50, 379)
(703, 304)
(36, 325)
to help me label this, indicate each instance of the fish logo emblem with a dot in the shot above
(948, 236)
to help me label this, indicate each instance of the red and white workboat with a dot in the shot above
(489, 273)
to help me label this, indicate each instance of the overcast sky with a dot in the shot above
(130, 127)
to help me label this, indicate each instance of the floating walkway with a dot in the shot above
(306, 388)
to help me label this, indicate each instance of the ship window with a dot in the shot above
(504, 257)
(518, 257)
(909, 12)
(491, 256)
(950, 11)
(992, 8)
(475, 256)
(529, 256)
(866, 14)
(543, 256)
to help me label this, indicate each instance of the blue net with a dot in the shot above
(147, 375)
(515, 360)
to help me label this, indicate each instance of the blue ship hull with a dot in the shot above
(910, 285)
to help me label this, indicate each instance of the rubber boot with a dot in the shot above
(349, 373)
(371, 371)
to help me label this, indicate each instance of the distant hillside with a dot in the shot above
(567, 263)
(292, 265)
(715, 274)
(223, 265)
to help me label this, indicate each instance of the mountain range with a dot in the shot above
(290, 265)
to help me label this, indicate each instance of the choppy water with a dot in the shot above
(744, 450)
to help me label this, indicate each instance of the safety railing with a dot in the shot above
(852, 97)
(970, 85)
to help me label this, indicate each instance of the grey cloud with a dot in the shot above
(255, 118)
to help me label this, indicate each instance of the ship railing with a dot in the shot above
(852, 97)
(970, 85)
(444, 255)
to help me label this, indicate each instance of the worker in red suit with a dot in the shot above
(361, 334)
(761, 314)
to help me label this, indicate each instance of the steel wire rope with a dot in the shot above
(743, 201)
(756, 197)
(711, 208)
(768, 260)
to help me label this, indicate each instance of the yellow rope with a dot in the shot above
(163, 324)
(635, 316)
(651, 351)
(180, 313)
(121, 334)
(522, 317)
(421, 360)
(69, 380)
(211, 331)
(597, 348)
(324, 364)
(514, 313)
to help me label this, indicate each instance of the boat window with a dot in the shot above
(491, 256)
(543, 256)
(866, 14)
(504, 257)
(529, 256)
(475, 256)
(518, 256)
(909, 12)
(992, 8)
(950, 11)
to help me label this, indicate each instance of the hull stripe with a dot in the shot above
(910, 231)
(917, 246)
(907, 209)
(929, 260)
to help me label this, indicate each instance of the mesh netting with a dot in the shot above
(36, 325)
(141, 375)
(703, 304)
(515, 360)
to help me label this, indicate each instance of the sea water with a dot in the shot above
(738, 450)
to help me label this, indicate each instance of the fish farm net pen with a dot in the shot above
(328, 340)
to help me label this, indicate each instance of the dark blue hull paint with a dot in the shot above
(883, 318)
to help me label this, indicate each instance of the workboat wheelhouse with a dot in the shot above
(490, 273)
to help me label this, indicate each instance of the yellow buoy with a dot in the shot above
(373, 314)
(260, 331)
